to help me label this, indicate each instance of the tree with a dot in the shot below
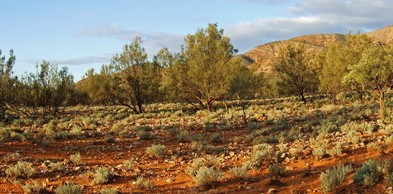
(97, 86)
(333, 70)
(49, 89)
(296, 75)
(200, 74)
(137, 80)
(6, 83)
(374, 72)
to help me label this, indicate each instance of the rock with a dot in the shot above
(271, 190)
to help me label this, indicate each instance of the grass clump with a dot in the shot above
(206, 176)
(76, 159)
(33, 187)
(108, 191)
(262, 152)
(239, 172)
(21, 169)
(276, 170)
(69, 188)
(144, 183)
(128, 164)
(333, 177)
(101, 176)
(156, 150)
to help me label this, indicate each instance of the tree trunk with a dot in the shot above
(382, 105)
(302, 97)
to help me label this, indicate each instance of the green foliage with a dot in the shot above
(368, 174)
(108, 191)
(296, 75)
(49, 88)
(156, 150)
(137, 80)
(276, 170)
(76, 158)
(101, 176)
(262, 152)
(33, 187)
(239, 171)
(206, 176)
(374, 71)
(201, 72)
(144, 183)
(333, 177)
(69, 188)
(21, 169)
(7, 83)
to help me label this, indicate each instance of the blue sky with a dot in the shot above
(86, 34)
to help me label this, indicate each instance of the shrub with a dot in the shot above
(144, 135)
(21, 169)
(12, 157)
(69, 188)
(33, 187)
(144, 183)
(128, 164)
(183, 136)
(336, 150)
(333, 177)
(277, 170)
(108, 191)
(102, 175)
(206, 176)
(239, 171)
(368, 174)
(156, 150)
(56, 166)
(76, 158)
(261, 152)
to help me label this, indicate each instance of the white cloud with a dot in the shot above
(151, 41)
(105, 58)
(313, 16)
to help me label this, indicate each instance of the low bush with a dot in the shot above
(156, 150)
(101, 176)
(144, 183)
(368, 174)
(21, 169)
(333, 177)
(69, 188)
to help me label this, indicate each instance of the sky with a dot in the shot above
(84, 34)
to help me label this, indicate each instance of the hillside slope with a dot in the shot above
(266, 56)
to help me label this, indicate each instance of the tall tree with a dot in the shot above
(49, 88)
(296, 75)
(374, 72)
(333, 70)
(137, 80)
(201, 72)
(6, 82)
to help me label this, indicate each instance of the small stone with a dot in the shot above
(231, 153)
(271, 190)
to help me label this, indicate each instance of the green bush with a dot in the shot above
(102, 175)
(239, 171)
(262, 152)
(276, 170)
(69, 188)
(144, 183)
(333, 177)
(205, 176)
(108, 191)
(128, 164)
(33, 187)
(21, 169)
(76, 158)
(156, 150)
(368, 174)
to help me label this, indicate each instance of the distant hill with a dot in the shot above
(265, 56)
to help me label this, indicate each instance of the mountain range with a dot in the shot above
(264, 57)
